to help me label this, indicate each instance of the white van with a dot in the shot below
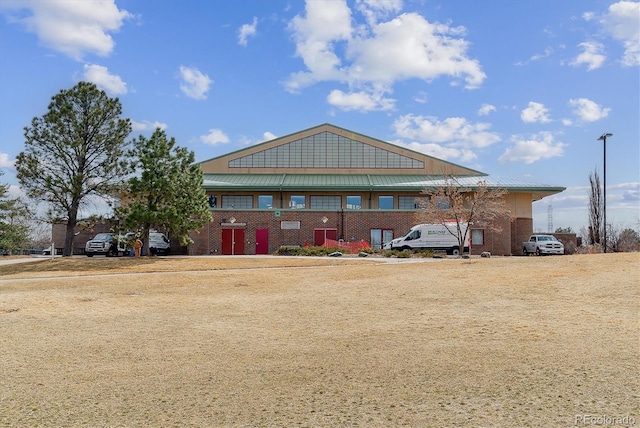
(438, 237)
(159, 244)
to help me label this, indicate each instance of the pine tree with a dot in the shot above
(73, 152)
(14, 214)
(166, 190)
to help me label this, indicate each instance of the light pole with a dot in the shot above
(603, 137)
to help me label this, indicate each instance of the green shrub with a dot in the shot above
(308, 251)
(405, 254)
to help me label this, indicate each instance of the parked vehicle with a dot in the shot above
(542, 245)
(113, 244)
(47, 251)
(159, 244)
(439, 237)
(108, 244)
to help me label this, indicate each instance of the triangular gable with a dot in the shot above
(328, 149)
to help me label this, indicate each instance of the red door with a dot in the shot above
(262, 241)
(319, 236)
(232, 242)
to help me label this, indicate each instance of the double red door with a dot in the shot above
(320, 235)
(232, 241)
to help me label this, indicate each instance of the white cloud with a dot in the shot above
(194, 84)
(315, 34)
(421, 97)
(592, 55)
(16, 191)
(362, 101)
(621, 22)
(547, 52)
(100, 75)
(74, 28)
(5, 162)
(247, 30)
(451, 138)
(268, 136)
(537, 57)
(372, 57)
(410, 47)
(535, 112)
(588, 110)
(374, 10)
(441, 152)
(540, 146)
(631, 191)
(215, 136)
(145, 125)
(485, 109)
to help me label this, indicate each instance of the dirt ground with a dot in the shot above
(284, 342)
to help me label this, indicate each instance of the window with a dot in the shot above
(241, 202)
(325, 150)
(297, 202)
(413, 235)
(379, 237)
(477, 236)
(407, 202)
(442, 203)
(213, 201)
(326, 202)
(354, 202)
(265, 202)
(385, 202)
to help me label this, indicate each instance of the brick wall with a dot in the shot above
(59, 231)
(522, 229)
(350, 225)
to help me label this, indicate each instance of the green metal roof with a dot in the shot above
(362, 182)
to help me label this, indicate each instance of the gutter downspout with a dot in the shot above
(370, 190)
(280, 187)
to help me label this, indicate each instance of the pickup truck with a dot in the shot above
(108, 244)
(542, 245)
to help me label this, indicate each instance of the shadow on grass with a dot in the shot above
(74, 264)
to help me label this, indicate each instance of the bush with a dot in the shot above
(403, 254)
(308, 251)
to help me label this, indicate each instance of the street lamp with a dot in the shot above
(603, 138)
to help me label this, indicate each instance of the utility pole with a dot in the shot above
(603, 138)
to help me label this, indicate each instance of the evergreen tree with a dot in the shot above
(73, 152)
(166, 190)
(14, 214)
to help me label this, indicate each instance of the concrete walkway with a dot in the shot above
(14, 260)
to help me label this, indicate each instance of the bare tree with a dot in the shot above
(596, 208)
(462, 206)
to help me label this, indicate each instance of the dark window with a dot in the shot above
(326, 202)
(297, 202)
(385, 202)
(238, 202)
(354, 202)
(265, 202)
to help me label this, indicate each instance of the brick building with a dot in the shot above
(330, 182)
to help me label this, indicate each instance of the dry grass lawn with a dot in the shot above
(275, 341)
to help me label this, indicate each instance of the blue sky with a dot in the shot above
(517, 89)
